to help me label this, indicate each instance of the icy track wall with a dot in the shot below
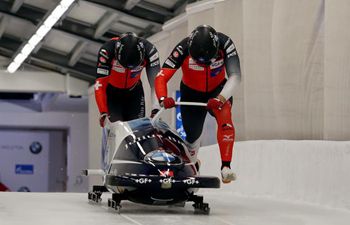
(311, 171)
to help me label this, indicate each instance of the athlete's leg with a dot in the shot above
(134, 104)
(225, 132)
(226, 138)
(192, 118)
(115, 103)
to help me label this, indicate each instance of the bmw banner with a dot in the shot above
(178, 123)
(24, 160)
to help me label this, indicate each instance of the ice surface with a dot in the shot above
(73, 208)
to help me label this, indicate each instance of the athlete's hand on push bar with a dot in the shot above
(103, 117)
(167, 102)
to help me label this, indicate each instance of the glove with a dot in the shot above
(214, 103)
(103, 117)
(154, 112)
(167, 102)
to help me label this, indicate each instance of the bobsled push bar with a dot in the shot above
(156, 117)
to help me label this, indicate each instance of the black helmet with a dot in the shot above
(203, 44)
(130, 51)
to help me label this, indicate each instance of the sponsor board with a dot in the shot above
(179, 126)
(26, 169)
(35, 147)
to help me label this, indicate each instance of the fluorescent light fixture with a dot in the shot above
(13, 67)
(35, 39)
(50, 21)
(40, 33)
(66, 3)
(28, 48)
(20, 58)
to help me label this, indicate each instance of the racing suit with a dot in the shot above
(118, 90)
(201, 83)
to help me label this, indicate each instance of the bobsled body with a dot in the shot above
(149, 163)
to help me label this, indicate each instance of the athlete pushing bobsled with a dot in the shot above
(118, 88)
(204, 56)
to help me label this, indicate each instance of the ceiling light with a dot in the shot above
(20, 58)
(40, 33)
(35, 39)
(13, 67)
(28, 48)
(66, 3)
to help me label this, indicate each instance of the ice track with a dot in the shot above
(74, 209)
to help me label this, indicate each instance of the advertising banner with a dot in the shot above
(24, 159)
(178, 123)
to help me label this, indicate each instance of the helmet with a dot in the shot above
(130, 51)
(203, 44)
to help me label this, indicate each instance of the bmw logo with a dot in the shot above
(35, 147)
(162, 157)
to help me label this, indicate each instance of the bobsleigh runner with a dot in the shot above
(149, 163)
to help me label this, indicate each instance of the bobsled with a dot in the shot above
(149, 163)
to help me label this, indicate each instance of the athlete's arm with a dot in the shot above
(152, 69)
(101, 95)
(104, 59)
(232, 65)
(170, 66)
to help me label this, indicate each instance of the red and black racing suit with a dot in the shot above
(118, 90)
(199, 84)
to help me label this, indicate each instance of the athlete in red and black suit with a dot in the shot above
(118, 88)
(211, 71)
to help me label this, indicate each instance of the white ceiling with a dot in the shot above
(19, 27)
(124, 28)
(165, 3)
(43, 4)
(87, 12)
(60, 41)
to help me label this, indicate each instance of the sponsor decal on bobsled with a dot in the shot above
(143, 180)
(160, 156)
(167, 173)
(191, 181)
